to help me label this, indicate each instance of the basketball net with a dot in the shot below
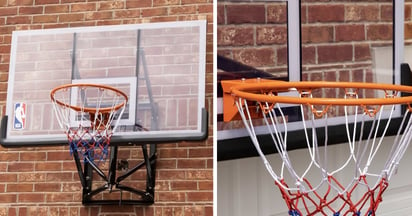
(90, 115)
(327, 194)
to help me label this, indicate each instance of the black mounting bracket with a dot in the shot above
(112, 182)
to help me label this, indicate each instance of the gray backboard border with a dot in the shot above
(122, 138)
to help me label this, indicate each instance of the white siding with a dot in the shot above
(244, 188)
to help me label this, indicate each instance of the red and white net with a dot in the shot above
(90, 116)
(348, 180)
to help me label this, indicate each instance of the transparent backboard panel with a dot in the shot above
(337, 41)
(252, 42)
(160, 66)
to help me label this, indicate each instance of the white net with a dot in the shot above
(90, 115)
(322, 187)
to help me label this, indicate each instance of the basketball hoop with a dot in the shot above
(367, 110)
(90, 114)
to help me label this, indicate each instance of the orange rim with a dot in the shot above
(88, 109)
(253, 89)
(246, 90)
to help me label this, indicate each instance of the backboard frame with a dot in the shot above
(121, 138)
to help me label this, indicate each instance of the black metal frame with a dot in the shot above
(112, 181)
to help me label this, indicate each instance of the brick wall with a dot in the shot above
(43, 180)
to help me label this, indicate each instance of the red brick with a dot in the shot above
(31, 10)
(130, 13)
(72, 186)
(71, 1)
(31, 197)
(49, 187)
(201, 152)
(79, 7)
(237, 14)
(111, 5)
(48, 166)
(199, 196)
(358, 75)
(255, 57)
(277, 13)
(209, 163)
(19, 187)
(11, 211)
(362, 13)
(326, 13)
(171, 174)
(183, 185)
(220, 14)
(157, 3)
(41, 2)
(45, 19)
(32, 177)
(387, 12)
(8, 198)
(32, 156)
(379, 32)
(316, 76)
(308, 55)
(99, 15)
(200, 174)
(271, 35)
(73, 17)
(172, 153)
(350, 33)
(154, 12)
(185, 9)
(109, 209)
(316, 34)
(330, 76)
(56, 9)
(171, 196)
(235, 36)
(167, 164)
(335, 54)
(59, 197)
(344, 76)
(206, 8)
(58, 25)
(20, 167)
(58, 156)
(194, 210)
(206, 185)
(138, 3)
(362, 52)
(24, 2)
(9, 156)
(7, 177)
(18, 20)
(164, 19)
(184, 2)
(8, 11)
(6, 29)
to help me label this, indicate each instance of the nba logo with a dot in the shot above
(19, 116)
